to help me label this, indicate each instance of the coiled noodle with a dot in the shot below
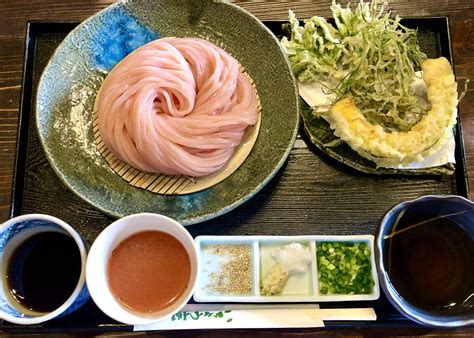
(176, 106)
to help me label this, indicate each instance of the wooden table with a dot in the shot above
(15, 14)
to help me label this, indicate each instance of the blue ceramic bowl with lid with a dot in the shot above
(424, 251)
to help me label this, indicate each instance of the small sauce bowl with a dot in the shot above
(424, 251)
(14, 233)
(97, 273)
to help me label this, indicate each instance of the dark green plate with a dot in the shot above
(322, 136)
(69, 84)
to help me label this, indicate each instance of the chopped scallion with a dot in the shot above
(344, 268)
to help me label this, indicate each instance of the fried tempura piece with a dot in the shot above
(393, 148)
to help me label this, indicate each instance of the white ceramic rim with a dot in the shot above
(146, 318)
(80, 283)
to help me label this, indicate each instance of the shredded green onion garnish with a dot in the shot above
(364, 54)
(344, 268)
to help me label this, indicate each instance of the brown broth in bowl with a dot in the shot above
(431, 265)
(149, 271)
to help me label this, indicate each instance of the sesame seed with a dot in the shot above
(235, 273)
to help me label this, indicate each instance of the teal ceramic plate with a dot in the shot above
(70, 82)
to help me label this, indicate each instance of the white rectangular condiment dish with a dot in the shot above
(257, 250)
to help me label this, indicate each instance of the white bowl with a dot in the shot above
(14, 232)
(109, 238)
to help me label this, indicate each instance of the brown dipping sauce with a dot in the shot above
(149, 271)
(431, 265)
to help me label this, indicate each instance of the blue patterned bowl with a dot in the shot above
(460, 211)
(70, 82)
(17, 230)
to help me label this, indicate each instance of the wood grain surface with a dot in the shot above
(13, 18)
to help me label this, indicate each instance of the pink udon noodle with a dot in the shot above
(176, 106)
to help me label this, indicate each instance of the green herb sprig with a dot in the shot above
(365, 54)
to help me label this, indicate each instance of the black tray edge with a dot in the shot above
(33, 28)
(22, 131)
(460, 152)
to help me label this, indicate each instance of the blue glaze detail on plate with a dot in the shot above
(120, 34)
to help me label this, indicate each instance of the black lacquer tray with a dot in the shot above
(311, 195)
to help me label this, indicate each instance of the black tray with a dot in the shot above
(312, 194)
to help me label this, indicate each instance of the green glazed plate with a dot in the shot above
(322, 136)
(70, 82)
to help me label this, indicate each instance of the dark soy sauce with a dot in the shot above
(43, 271)
(432, 265)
